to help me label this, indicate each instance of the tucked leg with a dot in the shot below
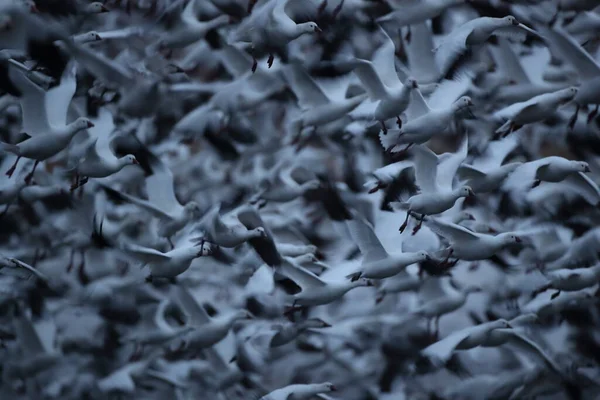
(416, 228)
(574, 117)
(383, 127)
(405, 223)
(30, 175)
(12, 169)
(399, 122)
(270, 60)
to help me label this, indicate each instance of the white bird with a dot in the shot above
(381, 82)
(99, 160)
(548, 169)
(184, 28)
(412, 12)
(162, 202)
(487, 172)
(207, 331)
(227, 231)
(468, 245)
(425, 121)
(570, 280)
(461, 43)
(439, 352)
(299, 391)
(45, 118)
(169, 264)
(317, 291)
(448, 298)
(270, 27)
(588, 69)
(318, 107)
(434, 175)
(538, 108)
(377, 263)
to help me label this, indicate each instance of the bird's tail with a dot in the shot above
(387, 140)
(10, 148)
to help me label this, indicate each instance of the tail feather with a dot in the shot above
(387, 140)
(10, 148)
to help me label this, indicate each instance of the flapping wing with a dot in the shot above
(235, 61)
(59, 98)
(301, 276)
(426, 163)
(366, 239)
(103, 127)
(508, 62)
(264, 246)
(186, 301)
(583, 185)
(160, 186)
(451, 231)
(146, 205)
(453, 47)
(384, 61)
(145, 254)
(308, 93)
(420, 54)
(524, 343)
(572, 52)
(448, 167)
(441, 351)
(366, 72)
(33, 106)
(466, 172)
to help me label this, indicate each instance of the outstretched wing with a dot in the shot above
(426, 162)
(363, 234)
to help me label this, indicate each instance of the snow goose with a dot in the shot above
(413, 12)
(538, 108)
(317, 107)
(439, 296)
(227, 231)
(461, 44)
(300, 391)
(580, 252)
(99, 160)
(35, 35)
(123, 378)
(207, 331)
(377, 263)
(316, 291)
(162, 202)
(434, 178)
(170, 264)
(183, 28)
(570, 280)
(44, 119)
(280, 185)
(380, 79)
(384, 176)
(428, 118)
(587, 68)
(548, 169)
(439, 352)
(515, 85)
(159, 334)
(487, 173)
(270, 27)
(468, 245)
